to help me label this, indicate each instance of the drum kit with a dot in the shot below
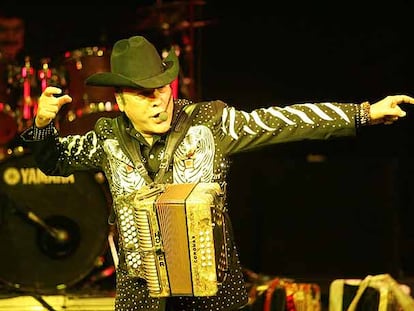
(21, 87)
(54, 230)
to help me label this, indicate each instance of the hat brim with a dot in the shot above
(116, 80)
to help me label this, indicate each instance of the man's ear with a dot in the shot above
(120, 102)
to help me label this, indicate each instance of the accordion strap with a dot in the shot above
(404, 300)
(128, 147)
(178, 131)
(361, 289)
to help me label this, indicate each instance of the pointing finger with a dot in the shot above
(52, 90)
(65, 99)
(401, 99)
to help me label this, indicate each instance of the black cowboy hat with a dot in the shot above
(136, 63)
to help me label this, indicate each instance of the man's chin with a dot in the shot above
(161, 128)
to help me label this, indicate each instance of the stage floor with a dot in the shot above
(102, 298)
(57, 303)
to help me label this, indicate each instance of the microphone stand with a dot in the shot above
(23, 210)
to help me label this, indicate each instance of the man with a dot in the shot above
(140, 139)
(12, 36)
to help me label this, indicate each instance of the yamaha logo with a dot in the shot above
(13, 176)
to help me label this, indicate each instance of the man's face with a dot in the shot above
(12, 31)
(143, 108)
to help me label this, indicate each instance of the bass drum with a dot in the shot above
(53, 229)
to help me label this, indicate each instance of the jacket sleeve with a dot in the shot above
(62, 156)
(242, 131)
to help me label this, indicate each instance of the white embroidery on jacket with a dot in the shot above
(125, 178)
(197, 149)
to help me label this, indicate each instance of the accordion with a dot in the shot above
(173, 236)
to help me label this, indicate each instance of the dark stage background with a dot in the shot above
(312, 209)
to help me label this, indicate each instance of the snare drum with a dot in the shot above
(32, 259)
(88, 102)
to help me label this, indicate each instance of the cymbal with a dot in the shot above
(173, 27)
(193, 24)
(171, 16)
(171, 5)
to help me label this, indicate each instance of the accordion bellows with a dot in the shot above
(173, 236)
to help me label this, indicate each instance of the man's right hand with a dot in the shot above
(49, 105)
